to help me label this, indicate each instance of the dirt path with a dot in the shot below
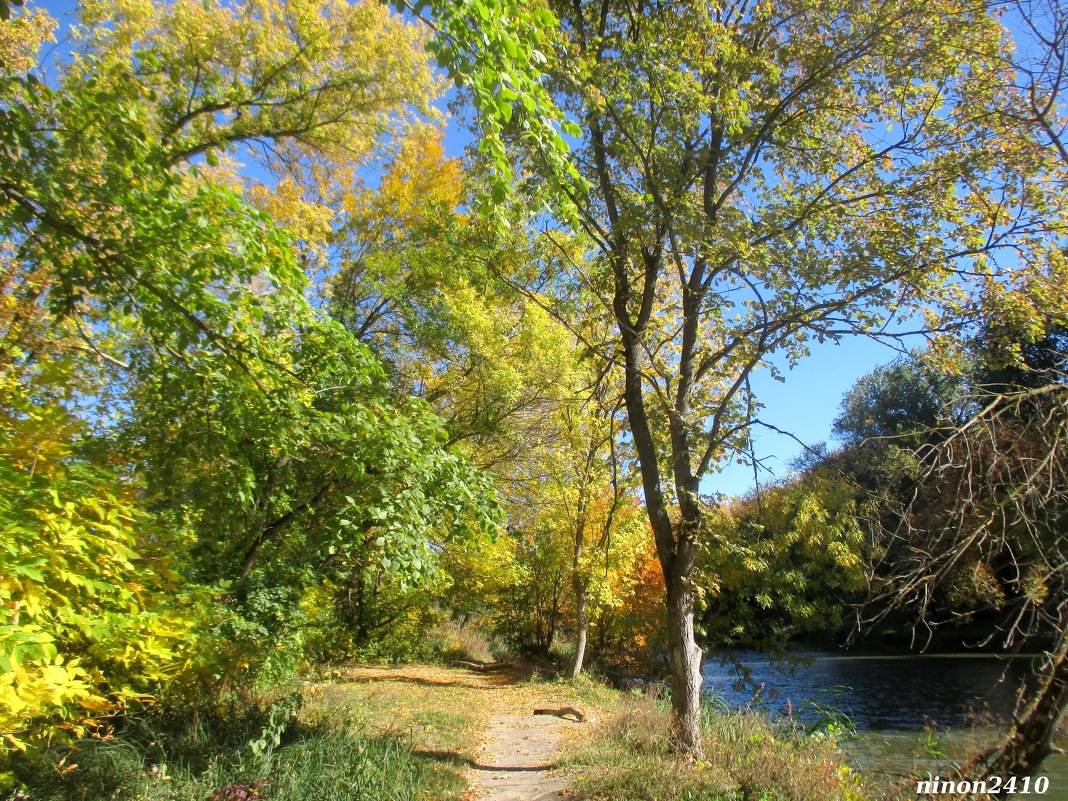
(518, 757)
(519, 751)
(509, 755)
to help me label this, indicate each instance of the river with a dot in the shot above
(905, 709)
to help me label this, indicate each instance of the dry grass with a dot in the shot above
(443, 714)
(443, 709)
(629, 758)
(458, 641)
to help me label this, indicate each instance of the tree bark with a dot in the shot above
(676, 552)
(1030, 737)
(579, 582)
(685, 661)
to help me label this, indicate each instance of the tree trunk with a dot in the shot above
(579, 583)
(582, 625)
(685, 662)
(1030, 737)
(362, 630)
(676, 552)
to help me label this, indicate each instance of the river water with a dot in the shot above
(906, 709)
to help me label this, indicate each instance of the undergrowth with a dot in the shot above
(263, 751)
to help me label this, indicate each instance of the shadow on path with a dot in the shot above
(456, 758)
(519, 751)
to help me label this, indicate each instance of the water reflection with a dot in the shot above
(876, 692)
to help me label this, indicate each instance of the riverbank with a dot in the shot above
(427, 733)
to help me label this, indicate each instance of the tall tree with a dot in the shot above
(415, 282)
(591, 486)
(760, 175)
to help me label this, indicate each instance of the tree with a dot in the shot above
(624, 588)
(973, 522)
(761, 175)
(781, 561)
(537, 605)
(103, 617)
(326, 467)
(895, 401)
(495, 50)
(96, 614)
(21, 37)
(628, 629)
(415, 283)
(128, 252)
(188, 80)
(315, 79)
(591, 433)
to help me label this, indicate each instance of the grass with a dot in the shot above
(408, 734)
(435, 710)
(352, 740)
(747, 758)
(324, 764)
(451, 640)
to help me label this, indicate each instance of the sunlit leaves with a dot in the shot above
(781, 561)
(802, 171)
(498, 51)
(91, 620)
(220, 418)
(21, 36)
(324, 79)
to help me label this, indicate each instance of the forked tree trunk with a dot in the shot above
(1030, 737)
(676, 552)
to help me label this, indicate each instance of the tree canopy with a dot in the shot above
(189, 446)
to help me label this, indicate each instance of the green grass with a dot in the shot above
(406, 734)
(348, 743)
(321, 765)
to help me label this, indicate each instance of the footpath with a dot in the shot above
(517, 761)
(513, 755)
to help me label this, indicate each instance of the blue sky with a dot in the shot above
(804, 405)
